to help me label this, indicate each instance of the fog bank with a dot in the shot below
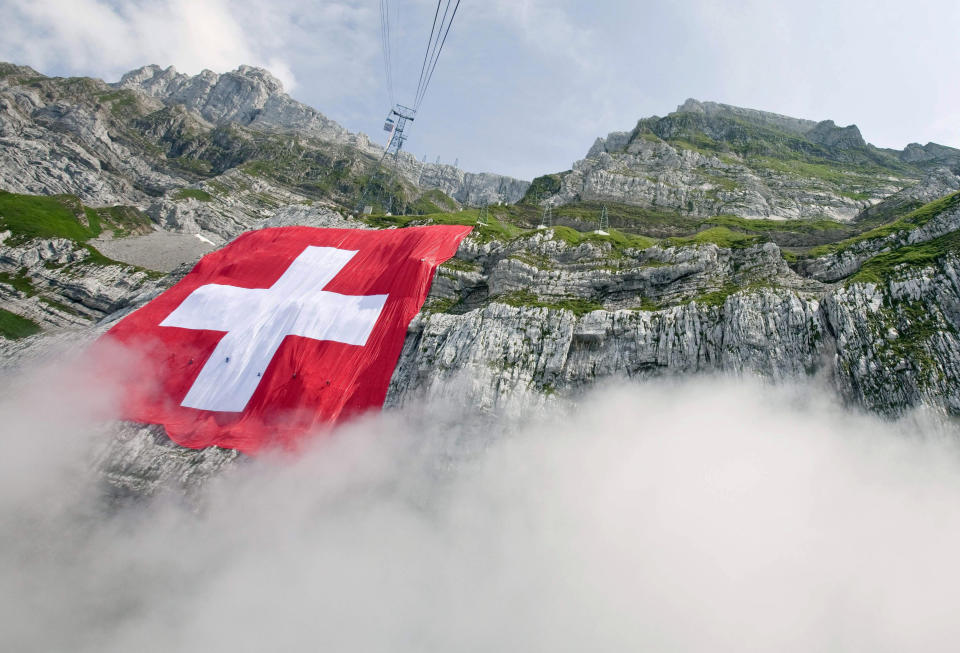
(712, 515)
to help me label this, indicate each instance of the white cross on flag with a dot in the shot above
(281, 330)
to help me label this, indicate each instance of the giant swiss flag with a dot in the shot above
(280, 331)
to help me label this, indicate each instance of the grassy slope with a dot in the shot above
(910, 221)
(433, 201)
(14, 327)
(63, 216)
(57, 216)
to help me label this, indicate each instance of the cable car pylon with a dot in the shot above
(396, 125)
(400, 116)
(603, 222)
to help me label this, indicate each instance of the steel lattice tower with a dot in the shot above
(546, 218)
(395, 124)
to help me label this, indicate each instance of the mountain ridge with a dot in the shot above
(708, 159)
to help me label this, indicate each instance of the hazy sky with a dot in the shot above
(525, 86)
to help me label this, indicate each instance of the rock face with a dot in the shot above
(888, 345)
(468, 188)
(709, 159)
(247, 96)
(252, 97)
(59, 284)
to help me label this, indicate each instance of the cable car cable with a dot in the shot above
(432, 47)
(426, 54)
(439, 51)
(385, 43)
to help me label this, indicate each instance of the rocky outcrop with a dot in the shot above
(252, 97)
(468, 188)
(887, 347)
(896, 344)
(55, 145)
(506, 358)
(247, 96)
(932, 153)
(848, 259)
(652, 173)
(709, 159)
(59, 284)
(715, 110)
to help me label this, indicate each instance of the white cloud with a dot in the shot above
(106, 38)
(546, 28)
(705, 515)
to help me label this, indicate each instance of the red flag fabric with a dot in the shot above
(280, 331)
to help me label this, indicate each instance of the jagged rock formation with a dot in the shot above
(252, 97)
(710, 159)
(57, 284)
(888, 338)
(248, 96)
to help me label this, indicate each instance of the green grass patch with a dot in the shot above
(122, 220)
(914, 219)
(840, 174)
(494, 229)
(716, 297)
(63, 216)
(15, 327)
(719, 297)
(194, 165)
(761, 226)
(40, 216)
(524, 298)
(20, 282)
(723, 183)
(538, 261)
(63, 308)
(720, 236)
(192, 194)
(543, 187)
(121, 102)
(433, 201)
(441, 305)
(618, 240)
(218, 187)
(882, 267)
(461, 266)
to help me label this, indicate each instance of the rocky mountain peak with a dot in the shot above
(161, 82)
(248, 96)
(252, 97)
(932, 153)
(761, 118)
(827, 133)
(10, 69)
